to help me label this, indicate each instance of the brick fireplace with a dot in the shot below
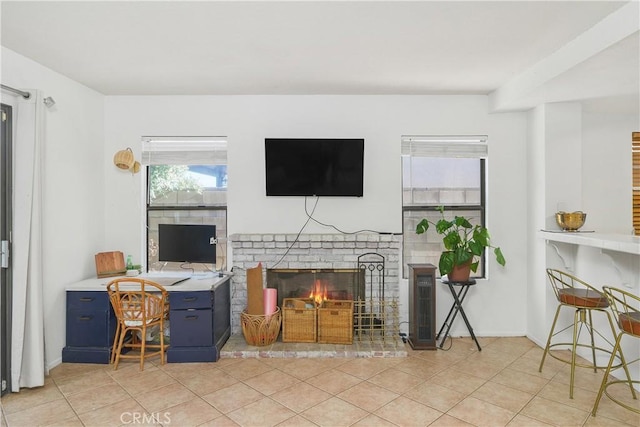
(310, 252)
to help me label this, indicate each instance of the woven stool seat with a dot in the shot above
(587, 298)
(630, 323)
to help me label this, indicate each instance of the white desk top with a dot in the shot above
(195, 283)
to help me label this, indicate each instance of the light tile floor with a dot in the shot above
(498, 386)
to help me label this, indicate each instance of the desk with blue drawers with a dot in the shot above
(199, 320)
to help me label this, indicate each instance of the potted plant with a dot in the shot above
(464, 244)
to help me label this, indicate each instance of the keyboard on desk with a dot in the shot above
(167, 280)
(161, 280)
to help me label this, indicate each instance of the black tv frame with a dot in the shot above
(314, 167)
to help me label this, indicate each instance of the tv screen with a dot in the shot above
(187, 243)
(314, 167)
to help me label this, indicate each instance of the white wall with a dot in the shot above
(73, 176)
(563, 160)
(537, 325)
(495, 307)
(607, 170)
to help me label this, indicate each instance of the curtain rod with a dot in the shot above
(25, 95)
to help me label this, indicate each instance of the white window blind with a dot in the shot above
(469, 146)
(192, 150)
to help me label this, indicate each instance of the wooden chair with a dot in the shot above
(139, 304)
(583, 299)
(626, 310)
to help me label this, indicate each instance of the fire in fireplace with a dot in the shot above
(325, 284)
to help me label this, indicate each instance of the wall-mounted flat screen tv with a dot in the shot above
(187, 243)
(314, 167)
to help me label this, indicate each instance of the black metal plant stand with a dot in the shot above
(458, 299)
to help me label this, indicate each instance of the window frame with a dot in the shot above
(185, 151)
(221, 240)
(440, 150)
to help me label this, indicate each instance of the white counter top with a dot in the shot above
(625, 243)
(195, 283)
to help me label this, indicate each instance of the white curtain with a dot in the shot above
(28, 365)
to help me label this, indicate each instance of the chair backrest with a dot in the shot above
(573, 291)
(137, 301)
(626, 309)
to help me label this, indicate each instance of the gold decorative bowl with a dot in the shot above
(570, 221)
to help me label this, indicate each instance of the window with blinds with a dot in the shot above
(186, 184)
(437, 171)
(635, 156)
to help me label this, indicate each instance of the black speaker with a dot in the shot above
(422, 306)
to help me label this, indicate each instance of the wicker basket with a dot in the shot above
(261, 330)
(335, 322)
(299, 324)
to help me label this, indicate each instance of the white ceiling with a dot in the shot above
(520, 52)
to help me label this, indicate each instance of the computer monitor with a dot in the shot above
(191, 243)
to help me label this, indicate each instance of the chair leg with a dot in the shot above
(162, 342)
(112, 359)
(603, 385)
(123, 332)
(623, 362)
(143, 342)
(593, 344)
(546, 348)
(626, 371)
(576, 322)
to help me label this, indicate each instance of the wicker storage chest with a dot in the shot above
(299, 320)
(335, 322)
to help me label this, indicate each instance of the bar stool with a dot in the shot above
(584, 299)
(626, 309)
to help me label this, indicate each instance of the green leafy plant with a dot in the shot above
(463, 241)
(165, 179)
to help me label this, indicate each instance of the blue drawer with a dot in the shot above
(90, 328)
(191, 328)
(87, 300)
(86, 355)
(190, 300)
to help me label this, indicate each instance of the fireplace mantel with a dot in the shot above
(307, 251)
